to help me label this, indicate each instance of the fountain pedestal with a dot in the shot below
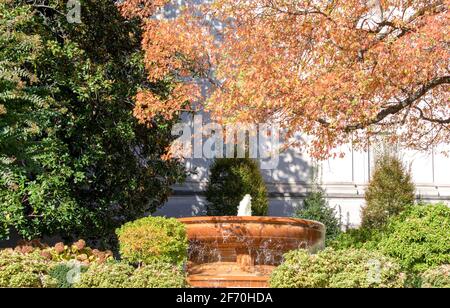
(243, 251)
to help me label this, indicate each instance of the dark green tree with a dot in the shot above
(73, 159)
(230, 181)
(315, 207)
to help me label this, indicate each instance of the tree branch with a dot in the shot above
(425, 118)
(396, 108)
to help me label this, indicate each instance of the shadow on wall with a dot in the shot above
(183, 206)
(292, 176)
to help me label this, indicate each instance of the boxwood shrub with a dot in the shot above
(153, 239)
(350, 268)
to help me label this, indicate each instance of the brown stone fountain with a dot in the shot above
(243, 251)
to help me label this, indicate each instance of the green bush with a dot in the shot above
(438, 277)
(351, 268)
(107, 275)
(153, 239)
(419, 237)
(357, 238)
(230, 181)
(390, 191)
(315, 207)
(158, 275)
(74, 161)
(62, 272)
(121, 275)
(24, 271)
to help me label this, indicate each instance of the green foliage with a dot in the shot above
(153, 239)
(114, 275)
(230, 181)
(350, 268)
(62, 271)
(120, 275)
(315, 207)
(419, 237)
(158, 275)
(73, 159)
(24, 271)
(438, 277)
(390, 191)
(357, 238)
(35, 270)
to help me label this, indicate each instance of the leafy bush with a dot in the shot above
(351, 268)
(121, 275)
(419, 237)
(24, 271)
(158, 275)
(230, 181)
(78, 251)
(33, 270)
(153, 239)
(73, 158)
(390, 191)
(357, 238)
(114, 275)
(438, 277)
(315, 207)
(65, 274)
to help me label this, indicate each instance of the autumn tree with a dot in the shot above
(338, 71)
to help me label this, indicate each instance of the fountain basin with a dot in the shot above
(243, 251)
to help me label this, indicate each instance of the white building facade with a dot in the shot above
(344, 181)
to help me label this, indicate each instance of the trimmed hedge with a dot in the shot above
(113, 275)
(32, 270)
(153, 239)
(120, 275)
(158, 275)
(25, 270)
(230, 181)
(351, 268)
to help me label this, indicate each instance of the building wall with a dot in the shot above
(344, 181)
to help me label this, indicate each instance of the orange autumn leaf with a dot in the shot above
(337, 71)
